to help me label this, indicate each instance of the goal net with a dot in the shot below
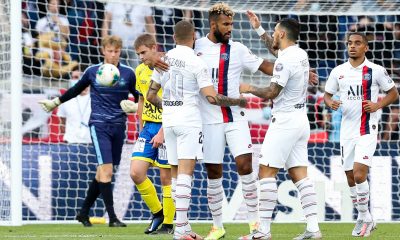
(61, 41)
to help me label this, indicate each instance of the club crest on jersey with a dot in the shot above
(367, 77)
(122, 82)
(225, 56)
(279, 67)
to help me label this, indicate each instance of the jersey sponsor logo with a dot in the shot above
(172, 103)
(214, 75)
(355, 93)
(279, 67)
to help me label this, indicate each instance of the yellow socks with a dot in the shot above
(149, 195)
(168, 205)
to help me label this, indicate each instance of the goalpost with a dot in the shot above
(43, 179)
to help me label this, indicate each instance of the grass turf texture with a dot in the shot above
(340, 231)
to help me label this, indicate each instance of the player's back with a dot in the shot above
(291, 71)
(181, 85)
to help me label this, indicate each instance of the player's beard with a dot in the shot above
(220, 37)
(275, 44)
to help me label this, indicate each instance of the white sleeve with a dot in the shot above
(250, 61)
(332, 85)
(202, 76)
(383, 79)
(156, 77)
(281, 73)
(61, 111)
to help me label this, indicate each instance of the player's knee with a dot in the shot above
(214, 171)
(137, 176)
(244, 167)
(359, 177)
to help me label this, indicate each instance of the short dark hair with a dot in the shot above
(292, 28)
(183, 31)
(219, 8)
(362, 35)
(145, 39)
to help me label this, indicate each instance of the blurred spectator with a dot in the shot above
(380, 37)
(53, 21)
(391, 113)
(86, 20)
(333, 121)
(315, 108)
(165, 20)
(127, 21)
(74, 115)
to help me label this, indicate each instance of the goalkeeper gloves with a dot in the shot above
(128, 106)
(49, 105)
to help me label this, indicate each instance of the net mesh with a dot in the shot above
(56, 175)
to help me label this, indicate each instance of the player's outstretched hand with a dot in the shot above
(158, 62)
(49, 105)
(128, 106)
(370, 106)
(313, 77)
(254, 21)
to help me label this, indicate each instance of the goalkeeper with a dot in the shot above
(149, 149)
(107, 125)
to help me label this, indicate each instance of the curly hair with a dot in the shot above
(219, 8)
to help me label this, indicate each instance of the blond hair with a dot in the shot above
(145, 39)
(112, 40)
(220, 8)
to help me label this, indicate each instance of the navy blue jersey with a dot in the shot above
(105, 100)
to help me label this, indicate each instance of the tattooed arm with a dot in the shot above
(270, 92)
(215, 98)
(152, 94)
(268, 40)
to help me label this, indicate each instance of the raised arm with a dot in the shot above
(256, 24)
(215, 98)
(152, 94)
(270, 92)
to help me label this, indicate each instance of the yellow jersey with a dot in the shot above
(143, 77)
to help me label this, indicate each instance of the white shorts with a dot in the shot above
(216, 136)
(285, 144)
(183, 143)
(359, 150)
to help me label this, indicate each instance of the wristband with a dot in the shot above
(260, 31)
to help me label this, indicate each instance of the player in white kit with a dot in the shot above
(357, 82)
(285, 144)
(186, 78)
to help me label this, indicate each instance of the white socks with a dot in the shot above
(250, 195)
(362, 201)
(215, 197)
(268, 200)
(309, 203)
(183, 195)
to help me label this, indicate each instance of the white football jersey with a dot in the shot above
(226, 63)
(291, 71)
(181, 86)
(355, 85)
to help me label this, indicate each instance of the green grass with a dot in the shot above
(340, 231)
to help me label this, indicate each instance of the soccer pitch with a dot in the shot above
(340, 231)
